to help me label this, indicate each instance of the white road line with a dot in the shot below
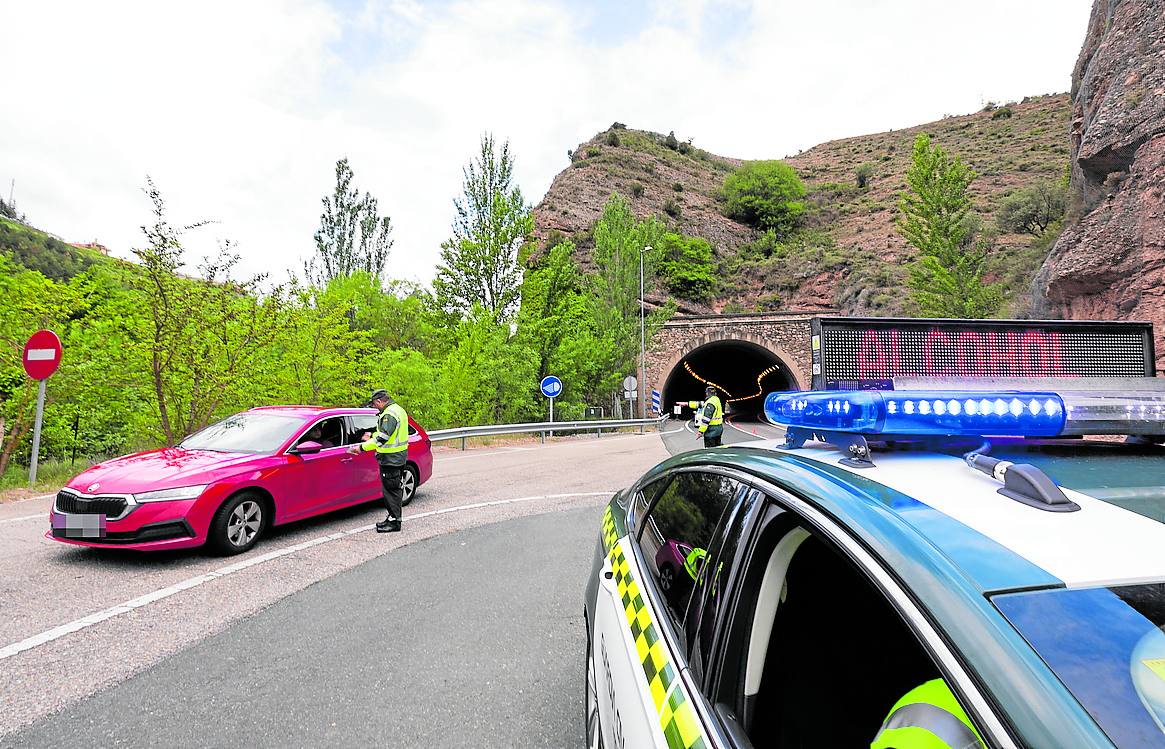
(23, 517)
(87, 621)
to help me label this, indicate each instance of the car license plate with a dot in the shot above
(79, 526)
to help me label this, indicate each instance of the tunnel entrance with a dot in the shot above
(735, 367)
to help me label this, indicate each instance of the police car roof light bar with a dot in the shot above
(1010, 413)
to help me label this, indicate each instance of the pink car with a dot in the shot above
(225, 485)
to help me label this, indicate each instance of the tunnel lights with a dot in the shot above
(759, 386)
(1005, 413)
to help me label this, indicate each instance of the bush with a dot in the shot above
(765, 194)
(671, 142)
(637, 189)
(678, 186)
(1032, 209)
(686, 266)
(1002, 113)
(672, 208)
(592, 152)
(769, 302)
(863, 174)
(618, 126)
(612, 138)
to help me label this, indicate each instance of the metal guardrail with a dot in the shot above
(543, 428)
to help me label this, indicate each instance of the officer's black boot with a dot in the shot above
(388, 525)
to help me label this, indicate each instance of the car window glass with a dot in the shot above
(647, 495)
(328, 433)
(710, 597)
(361, 427)
(677, 532)
(822, 610)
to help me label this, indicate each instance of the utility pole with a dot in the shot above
(642, 340)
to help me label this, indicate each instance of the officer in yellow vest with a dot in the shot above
(928, 717)
(391, 443)
(710, 417)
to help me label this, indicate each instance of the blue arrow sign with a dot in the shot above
(551, 386)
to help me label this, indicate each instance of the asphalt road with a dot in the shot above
(288, 635)
(474, 638)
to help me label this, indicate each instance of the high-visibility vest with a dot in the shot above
(717, 417)
(928, 717)
(395, 442)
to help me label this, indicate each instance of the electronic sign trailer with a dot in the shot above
(856, 353)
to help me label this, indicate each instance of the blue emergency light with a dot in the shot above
(976, 412)
(949, 412)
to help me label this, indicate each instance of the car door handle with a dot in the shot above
(346, 460)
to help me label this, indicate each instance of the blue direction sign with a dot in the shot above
(551, 386)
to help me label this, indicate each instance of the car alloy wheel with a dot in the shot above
(594, 735)
(666, 577)
(244, 523)
(408, 484)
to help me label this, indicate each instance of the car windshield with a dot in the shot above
(1107, 646)
(248, 432)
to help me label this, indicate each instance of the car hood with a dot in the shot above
(167, 468)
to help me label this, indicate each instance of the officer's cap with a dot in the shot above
(381, 394)
(710, 390)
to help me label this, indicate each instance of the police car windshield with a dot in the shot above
(1107, 646)
(244, 433)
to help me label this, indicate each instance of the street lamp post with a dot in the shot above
(642, 340)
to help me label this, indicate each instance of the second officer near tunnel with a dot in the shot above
(391, 443)
(709, 417)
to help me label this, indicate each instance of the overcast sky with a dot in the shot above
(239, 110)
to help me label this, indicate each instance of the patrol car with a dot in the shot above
(967, 537)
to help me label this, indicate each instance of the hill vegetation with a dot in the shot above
(846, 253)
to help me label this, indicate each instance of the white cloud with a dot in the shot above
(239, 110)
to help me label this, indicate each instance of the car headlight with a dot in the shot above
(168, 495)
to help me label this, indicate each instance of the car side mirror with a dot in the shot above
(306, 448)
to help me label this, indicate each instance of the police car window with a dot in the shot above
(834, 640)
(677, 532)
(1107, 645)
(710, 599)
(645, 496)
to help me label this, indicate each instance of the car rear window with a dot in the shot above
(1108, 648)
(244, 433)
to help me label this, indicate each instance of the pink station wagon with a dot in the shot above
(226, 484)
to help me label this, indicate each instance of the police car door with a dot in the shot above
(647, 580)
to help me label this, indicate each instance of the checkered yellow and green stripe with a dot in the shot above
(610, 534)
(677, 718)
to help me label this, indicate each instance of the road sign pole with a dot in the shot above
(552, 415)
(36, 434)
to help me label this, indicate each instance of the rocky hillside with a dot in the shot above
(1111, 264)
(848, 255)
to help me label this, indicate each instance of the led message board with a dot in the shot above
(852, 353)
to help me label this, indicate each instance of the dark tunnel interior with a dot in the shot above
(734, 367)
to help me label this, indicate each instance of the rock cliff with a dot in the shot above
(1110, 264)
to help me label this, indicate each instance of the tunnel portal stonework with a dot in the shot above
(785, 334)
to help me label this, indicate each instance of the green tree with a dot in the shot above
(686, 266)
(613, 292)
(947, 278)
(205, 339)
(1032, 209)
(479, 263)
(765, 194)
(353, 236)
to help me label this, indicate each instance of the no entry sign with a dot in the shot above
(42, 354)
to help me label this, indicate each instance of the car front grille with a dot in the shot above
(110, 506)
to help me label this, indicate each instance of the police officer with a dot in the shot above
(391, 443)
(710, 417)
(928, 717)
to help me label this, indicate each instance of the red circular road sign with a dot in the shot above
(42, 354)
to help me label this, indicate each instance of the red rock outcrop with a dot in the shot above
(1111, 263)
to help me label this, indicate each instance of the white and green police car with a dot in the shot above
(898, 545)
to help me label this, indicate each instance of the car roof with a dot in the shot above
(310, 411)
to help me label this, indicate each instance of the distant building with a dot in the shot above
(94, 245)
